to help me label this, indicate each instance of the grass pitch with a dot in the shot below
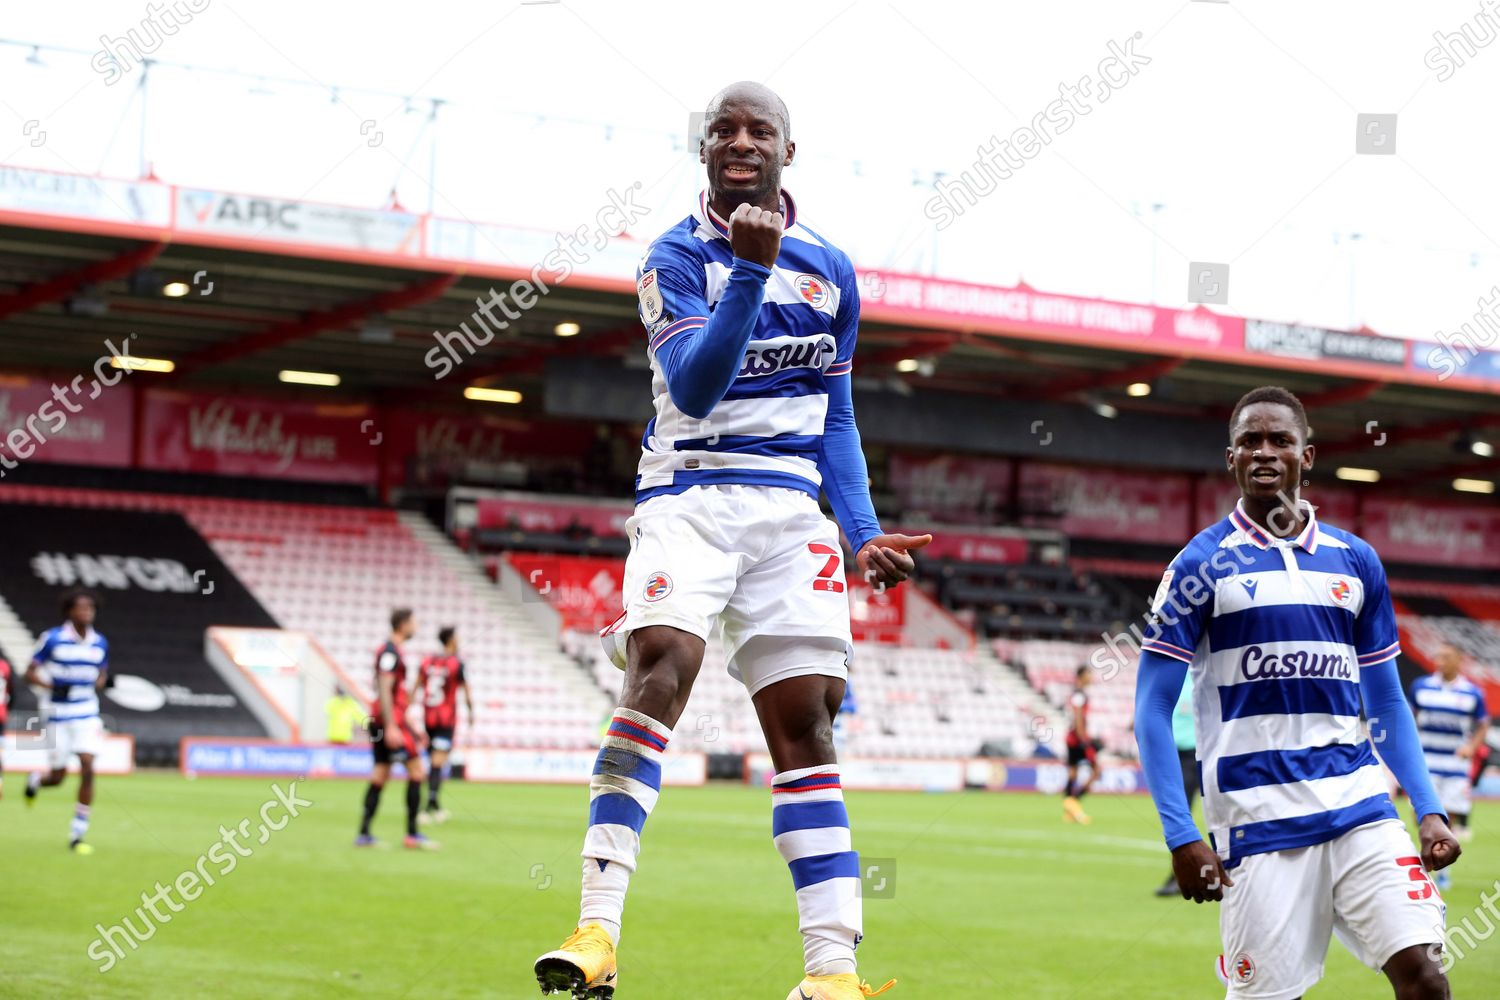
(990, 895)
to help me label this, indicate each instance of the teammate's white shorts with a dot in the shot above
(80, 736)
(1455, 793)
(764, 561)
(1367, 887)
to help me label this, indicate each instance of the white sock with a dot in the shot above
(622, 793)
(34, 780)
(811, 829)
(80, 824)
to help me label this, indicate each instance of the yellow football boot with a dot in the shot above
(583, 968)
(842, 987)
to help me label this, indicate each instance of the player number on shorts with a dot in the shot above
(825, 579)
(1418, 874)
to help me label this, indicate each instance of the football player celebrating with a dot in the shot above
(1287, 627)
(751, 320)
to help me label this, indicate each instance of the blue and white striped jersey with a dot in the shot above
(73, 663)
(1447, 715)
(767, 429)
(1276, 633)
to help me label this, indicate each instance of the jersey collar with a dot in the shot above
(707, 216)
(1307, 540)
(71, 633)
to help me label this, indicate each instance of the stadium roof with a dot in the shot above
(251, 302)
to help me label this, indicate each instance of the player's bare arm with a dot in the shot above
(34, 676)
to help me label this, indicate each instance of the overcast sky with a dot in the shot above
(1241, 126)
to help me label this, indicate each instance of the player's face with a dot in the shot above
(81, 614)
(408, 629)
(744, 149)
(1448, 660)
(1267, 454)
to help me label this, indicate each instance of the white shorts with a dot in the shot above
(762, 561)
(1367, 887)
(1455, 792)
(80, 736)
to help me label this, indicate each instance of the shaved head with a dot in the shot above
(750, 92)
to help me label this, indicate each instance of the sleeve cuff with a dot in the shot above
(759, 270)
(1167, 649)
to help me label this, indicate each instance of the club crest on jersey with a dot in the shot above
(1341, 592)
(1243, 969)
(813, 289)
(658, 585)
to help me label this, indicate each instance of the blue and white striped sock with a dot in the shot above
(811, 828)
(624, 789)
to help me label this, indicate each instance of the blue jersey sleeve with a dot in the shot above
(1394, 733)
(104, 659)
(44, 648)
(699, 350)
(1159, 681)
(841, 456)
(1181, 605)
(1375, 637)
(846, 323)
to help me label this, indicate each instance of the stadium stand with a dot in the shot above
(911, 703)
(335, 572)
(160, 585)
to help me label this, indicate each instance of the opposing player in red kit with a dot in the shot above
(391, 737)
(1081, 750)
(439, 679)
(7, 679)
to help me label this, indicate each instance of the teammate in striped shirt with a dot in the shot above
(751, 319)
(71, 661)
(1286, 626)
(439, 680)
(1453, 722)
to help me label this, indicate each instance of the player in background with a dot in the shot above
(391, 736)
(1453, 722)
(751, 321)
(439, 680)
(71, 662)
(1287, 627)
(1080, 749)
(7, 695)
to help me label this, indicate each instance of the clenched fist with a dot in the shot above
(755, 234)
